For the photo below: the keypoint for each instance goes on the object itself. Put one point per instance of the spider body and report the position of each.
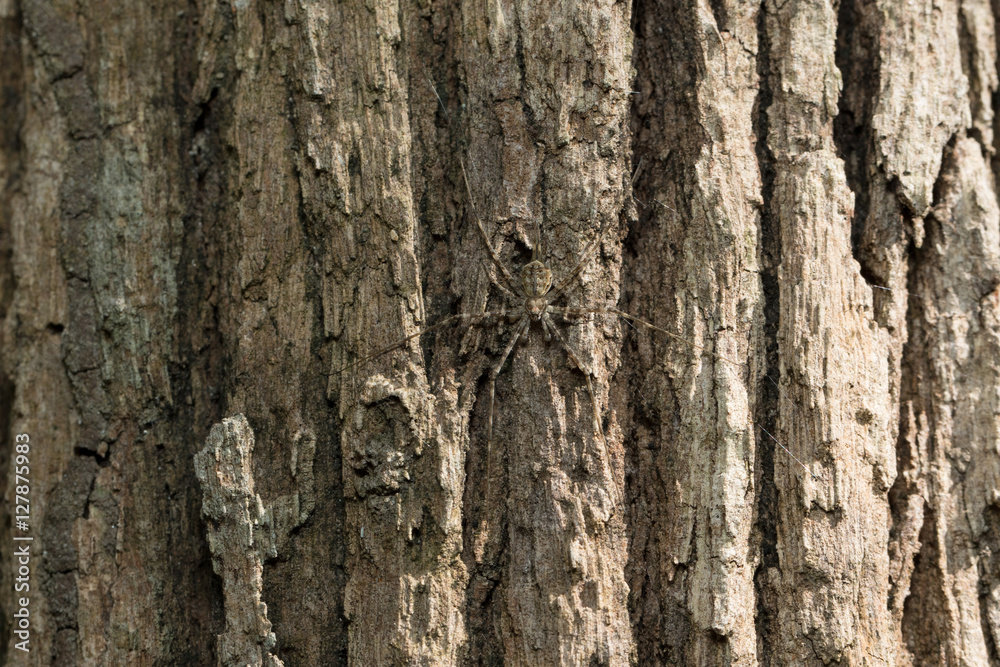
(532, 297)
(535, 308)
(536, 280)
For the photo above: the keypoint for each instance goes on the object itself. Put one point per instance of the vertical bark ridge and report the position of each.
(894, 172)
(702, 282)
(835, 407)
(952, 443)
(547, 102)
(403, 447)
(271, 302)
(882, 239)
(107, 173)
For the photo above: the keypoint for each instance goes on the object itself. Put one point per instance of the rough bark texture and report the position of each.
(211, 211)
(694, 269)
(241, 533)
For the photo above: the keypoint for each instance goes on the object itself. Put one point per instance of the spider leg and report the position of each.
(551, 327)
(570, 311)
(434, 327)
(482, 231)
(587, 252)
(518, 332)
(472, 201)
(632, 318)
(571, 314)
(577, 312)
(598, 426)
(506, 292)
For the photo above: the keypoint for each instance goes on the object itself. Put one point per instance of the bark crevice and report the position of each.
(766, 414)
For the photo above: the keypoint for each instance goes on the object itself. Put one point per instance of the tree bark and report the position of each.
(216, 215)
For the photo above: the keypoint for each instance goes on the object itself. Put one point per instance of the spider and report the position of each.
(534, 294)
(533, 297)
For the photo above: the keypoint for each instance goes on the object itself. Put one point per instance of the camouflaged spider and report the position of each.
(534, 295)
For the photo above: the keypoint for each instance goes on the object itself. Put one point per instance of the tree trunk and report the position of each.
(216, 217)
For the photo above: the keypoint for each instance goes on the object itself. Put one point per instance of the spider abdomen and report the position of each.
(536, 279)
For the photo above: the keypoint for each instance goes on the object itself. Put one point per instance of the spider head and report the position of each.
(536, 279)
